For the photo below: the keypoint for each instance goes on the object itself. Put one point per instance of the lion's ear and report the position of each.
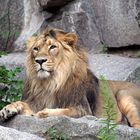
(31, 41)
(71, 39)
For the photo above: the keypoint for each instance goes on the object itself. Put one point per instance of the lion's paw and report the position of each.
(8, 112)
(42, 114)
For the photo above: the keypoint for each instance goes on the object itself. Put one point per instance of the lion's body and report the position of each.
(59, 82)
(67, 96)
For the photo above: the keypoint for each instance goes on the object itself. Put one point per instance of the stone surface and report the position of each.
(35, 13)
(79, 17)
(33, 19)
(48, 4)
(135, 76)
(111, 66)
(12, 134)
(137, 10)
(114, 23)
(85, 128)
(117, 22)
(115, 67)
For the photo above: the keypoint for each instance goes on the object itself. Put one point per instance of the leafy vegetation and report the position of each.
(55, 134)
(3, 53)
(11, 87)
(137, 138)
(104, 48)
(108, 131)
(138, 54)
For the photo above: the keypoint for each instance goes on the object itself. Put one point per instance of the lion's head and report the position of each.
(54, 55)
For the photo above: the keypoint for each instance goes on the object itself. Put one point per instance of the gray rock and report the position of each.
(137, 10)
(85, 128)
(114, 23)
(53, 3)
(117, 22)
(79, 17)
(115, 67)
(33, 19)
(135, 76)
(12, 134)
(35, 13)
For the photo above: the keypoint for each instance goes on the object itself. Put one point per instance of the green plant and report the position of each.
(13, 86)
(55, 134)
(136, 138)
(104, 47)
(108, 131)
(3, 53)
(138, 54)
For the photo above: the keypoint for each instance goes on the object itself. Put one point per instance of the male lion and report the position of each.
(59, 82)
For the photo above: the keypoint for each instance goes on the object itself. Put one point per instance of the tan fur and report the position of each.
(65, 85)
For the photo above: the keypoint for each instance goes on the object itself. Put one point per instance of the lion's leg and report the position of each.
(130, 106)
(18, 107)
(71, 112)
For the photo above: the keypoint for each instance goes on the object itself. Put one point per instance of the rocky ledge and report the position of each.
(85, 128)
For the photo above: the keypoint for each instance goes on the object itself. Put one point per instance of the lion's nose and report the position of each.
(40, 61)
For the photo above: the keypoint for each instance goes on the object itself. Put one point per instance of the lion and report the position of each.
(59, 82)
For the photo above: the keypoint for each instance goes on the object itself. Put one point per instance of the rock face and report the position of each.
(114, 23)
(78, 16)
(85, 128)
(115, 67)
(32, 22)
(12, 134)
(118, 22)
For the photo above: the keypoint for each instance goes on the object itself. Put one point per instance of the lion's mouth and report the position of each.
(43, 70)
(43, 73)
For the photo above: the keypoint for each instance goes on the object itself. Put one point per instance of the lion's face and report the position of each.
(47, 55)
(47, 52)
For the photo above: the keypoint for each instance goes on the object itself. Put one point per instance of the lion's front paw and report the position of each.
(9, 111)
(42, 114)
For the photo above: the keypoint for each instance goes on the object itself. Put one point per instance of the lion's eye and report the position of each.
(52, 46)
(35, 48)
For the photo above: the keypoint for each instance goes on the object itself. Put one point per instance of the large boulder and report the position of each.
(79, 17)
(118, 22)
(85, 128)
(113, 23)
(12, 134)
(35, 13)
(115, 67)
